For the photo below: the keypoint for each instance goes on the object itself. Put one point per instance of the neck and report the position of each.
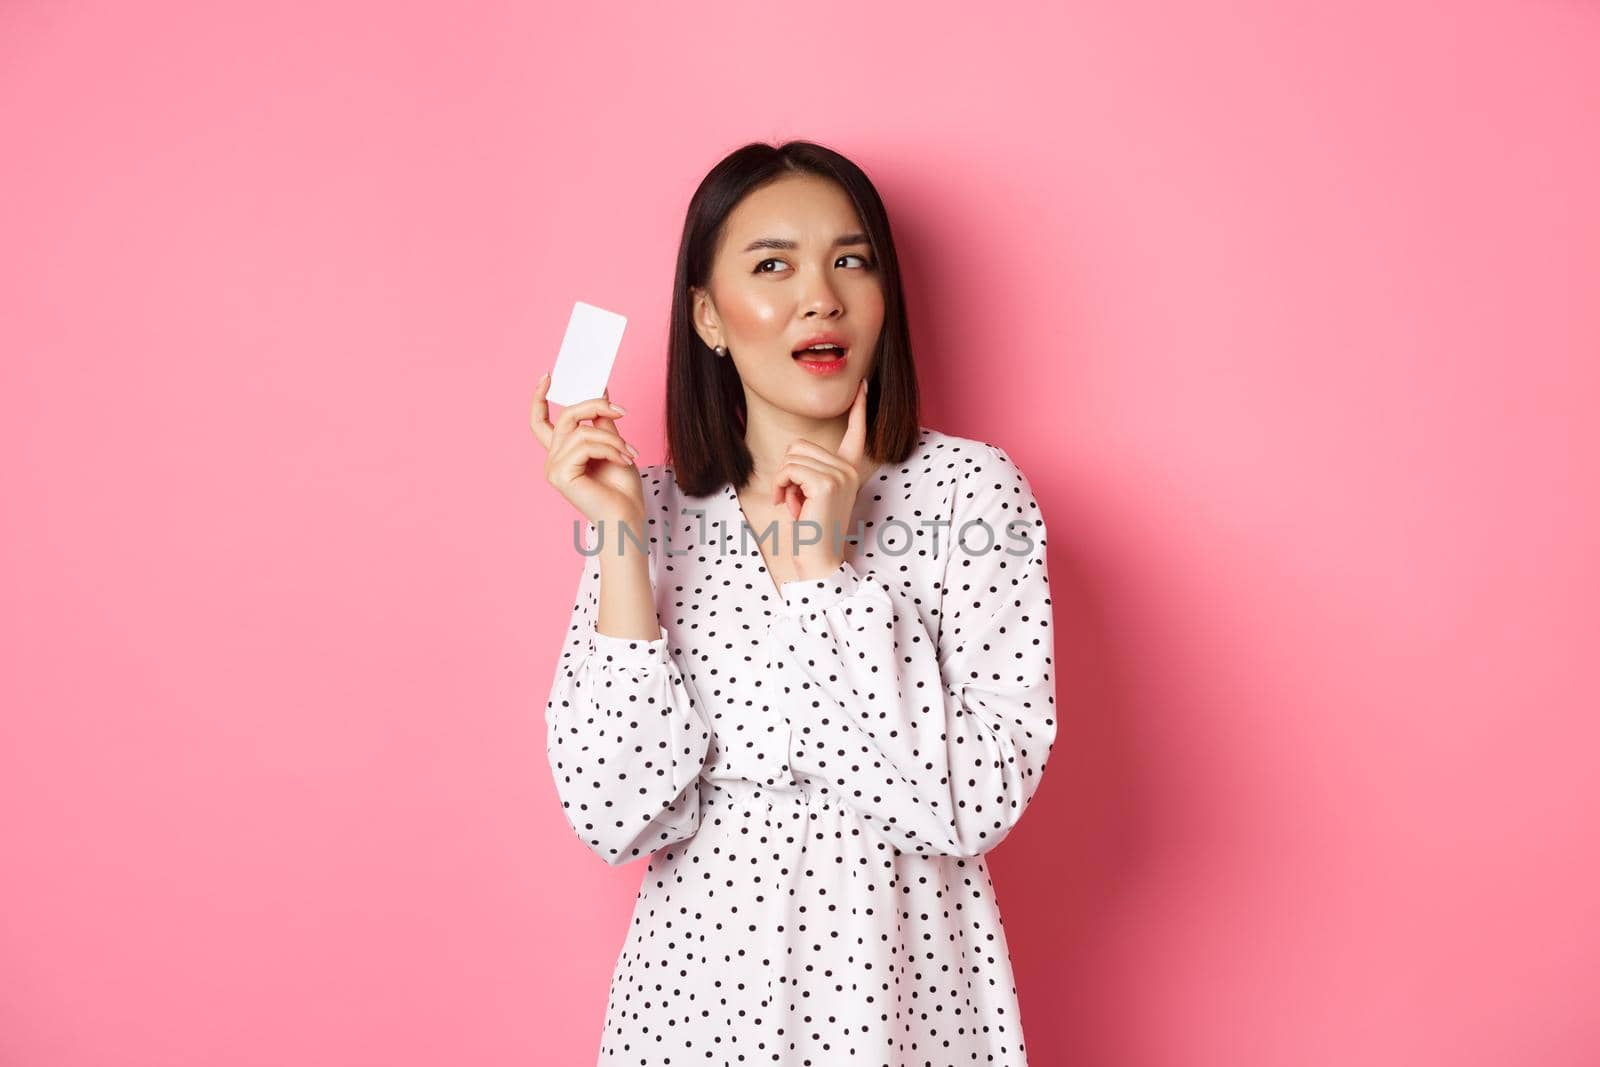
(769, 431)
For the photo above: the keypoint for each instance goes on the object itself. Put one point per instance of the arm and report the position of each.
(937, 742)
(624, 737)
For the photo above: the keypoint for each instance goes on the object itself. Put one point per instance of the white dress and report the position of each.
(813, 774)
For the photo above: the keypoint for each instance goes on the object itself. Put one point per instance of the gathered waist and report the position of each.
(743, 791)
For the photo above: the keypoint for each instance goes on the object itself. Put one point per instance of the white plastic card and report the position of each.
(587, 352)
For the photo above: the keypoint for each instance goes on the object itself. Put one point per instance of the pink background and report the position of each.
(1289, 313)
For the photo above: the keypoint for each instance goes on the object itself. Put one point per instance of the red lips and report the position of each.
(823, 339)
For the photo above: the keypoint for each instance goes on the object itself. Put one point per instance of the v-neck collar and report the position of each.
(889, 480)
(736, 520)
(733, 528)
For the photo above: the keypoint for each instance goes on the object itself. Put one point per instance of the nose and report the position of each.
(820, 299)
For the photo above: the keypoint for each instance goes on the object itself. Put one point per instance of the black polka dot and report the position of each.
(813, 773)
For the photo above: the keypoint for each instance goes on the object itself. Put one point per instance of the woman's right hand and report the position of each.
(592, 466)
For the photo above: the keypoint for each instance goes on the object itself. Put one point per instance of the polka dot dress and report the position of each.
(813, 773)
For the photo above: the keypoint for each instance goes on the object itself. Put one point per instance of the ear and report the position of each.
(703, 314)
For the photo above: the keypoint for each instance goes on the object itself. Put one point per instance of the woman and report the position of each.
(812, 742)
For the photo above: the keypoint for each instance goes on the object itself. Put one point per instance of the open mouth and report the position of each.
(820, 353)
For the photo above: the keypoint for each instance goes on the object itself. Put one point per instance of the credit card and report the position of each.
(587, 352)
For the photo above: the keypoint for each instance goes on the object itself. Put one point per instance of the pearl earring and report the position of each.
(720, 350)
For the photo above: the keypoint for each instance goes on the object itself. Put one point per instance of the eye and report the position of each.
(866, 264)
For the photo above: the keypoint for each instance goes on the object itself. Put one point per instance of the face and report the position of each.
(793, 264)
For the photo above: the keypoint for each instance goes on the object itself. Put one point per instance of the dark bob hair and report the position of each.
(705, 399)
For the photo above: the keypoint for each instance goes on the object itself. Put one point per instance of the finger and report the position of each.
(585, 439)
(540, 421)
(593, 408)
(603, 436)
(821, 471)
(814, 479)
(584, 409)
(571, 460)
(796, 502)
(854, 444)
(800, 446)
(605, 422)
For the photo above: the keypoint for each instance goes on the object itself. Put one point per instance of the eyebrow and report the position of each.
(780, 243)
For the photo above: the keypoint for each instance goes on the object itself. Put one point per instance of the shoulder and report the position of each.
(664, 502)
(941, 460)
(972, 461)
(658, 481)
(988, 484)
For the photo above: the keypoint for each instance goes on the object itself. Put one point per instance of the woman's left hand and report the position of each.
(821, 487)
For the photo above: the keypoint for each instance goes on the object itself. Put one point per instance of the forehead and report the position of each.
(798, 207)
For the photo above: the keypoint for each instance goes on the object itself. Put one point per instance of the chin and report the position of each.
(823, 400)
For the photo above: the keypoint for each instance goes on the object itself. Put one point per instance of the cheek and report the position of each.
(868, 310)
(866, 298)
(751, 313)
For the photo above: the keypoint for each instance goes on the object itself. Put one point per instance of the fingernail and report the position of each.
(635, 451)
(620, 410)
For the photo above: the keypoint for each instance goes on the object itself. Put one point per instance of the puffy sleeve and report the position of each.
(625, 739)
(938, 741)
